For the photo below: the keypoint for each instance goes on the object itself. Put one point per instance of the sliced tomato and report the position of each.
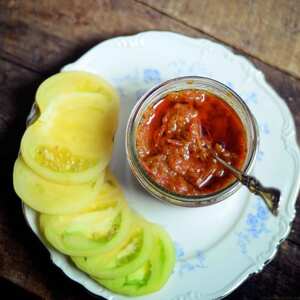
(71, 82)
(154, 273)
(50, 197)
(109, 193)
(72, 140)
(123, 260)
(88, 233)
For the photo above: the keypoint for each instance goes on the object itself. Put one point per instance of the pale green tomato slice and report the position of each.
(123, 260)
(88, 233)
(154, 273)
(50, 197)
(72, 140)
(72, 82)
(109, 193)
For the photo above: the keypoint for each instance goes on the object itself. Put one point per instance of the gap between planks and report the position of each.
(9, 59)
(240, 50)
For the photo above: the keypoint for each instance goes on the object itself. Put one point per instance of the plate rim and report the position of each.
(288, 135)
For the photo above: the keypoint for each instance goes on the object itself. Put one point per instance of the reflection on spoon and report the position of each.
(270, 195)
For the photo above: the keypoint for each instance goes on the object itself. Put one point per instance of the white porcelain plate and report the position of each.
(219, 246)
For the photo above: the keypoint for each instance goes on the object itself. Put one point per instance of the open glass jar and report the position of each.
(152, 97)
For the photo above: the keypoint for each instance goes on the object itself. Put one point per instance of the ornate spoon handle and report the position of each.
(271, 196)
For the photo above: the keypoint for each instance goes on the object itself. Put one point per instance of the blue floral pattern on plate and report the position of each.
(250, 98)
(151, 76)
(255, 227)
(188, 265)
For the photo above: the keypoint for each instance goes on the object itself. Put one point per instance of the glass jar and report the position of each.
(183, 83)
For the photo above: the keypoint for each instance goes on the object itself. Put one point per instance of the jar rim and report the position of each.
(162, 193)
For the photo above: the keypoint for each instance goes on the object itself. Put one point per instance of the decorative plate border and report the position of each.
(256, 220)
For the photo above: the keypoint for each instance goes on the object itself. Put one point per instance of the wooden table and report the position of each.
(37, 37)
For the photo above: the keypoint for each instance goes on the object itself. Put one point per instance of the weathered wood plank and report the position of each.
(294, 235)
(14, 291)
(31, 47)
(15, 99)
(268, 30)
(279, 279)
(41, 36)
(89, 20)
(286, 86)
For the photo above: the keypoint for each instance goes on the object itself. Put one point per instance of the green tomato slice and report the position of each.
(108, 195)
(123, 260)
(154, 273)
(53, 198)
(88, 233)
(72, 140)
(71, 82)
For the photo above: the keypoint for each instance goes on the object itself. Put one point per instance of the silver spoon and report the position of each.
(271, 196)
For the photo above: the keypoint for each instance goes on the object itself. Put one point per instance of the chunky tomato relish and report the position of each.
(176, 137)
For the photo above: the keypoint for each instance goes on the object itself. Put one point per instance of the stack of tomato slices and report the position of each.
(62, 173)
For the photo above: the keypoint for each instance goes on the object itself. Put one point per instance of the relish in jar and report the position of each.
(176, 136)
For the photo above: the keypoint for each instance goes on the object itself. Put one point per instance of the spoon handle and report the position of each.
(271, 196)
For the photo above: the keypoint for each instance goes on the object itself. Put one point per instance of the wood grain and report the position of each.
(36, 39)
(39, 36)
(268, 30)
(13, 101)
(279, 280)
